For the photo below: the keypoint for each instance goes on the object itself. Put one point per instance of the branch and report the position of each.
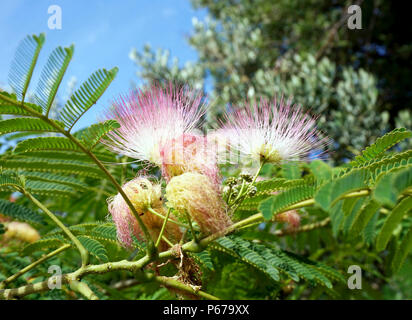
(84, 289)
(83, 252)
(193, 290)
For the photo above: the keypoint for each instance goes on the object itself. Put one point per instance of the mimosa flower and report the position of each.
(150, 118)
(272, 132)
(196, 195)
(143, 195)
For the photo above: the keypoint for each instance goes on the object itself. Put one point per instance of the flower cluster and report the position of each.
(159, 126)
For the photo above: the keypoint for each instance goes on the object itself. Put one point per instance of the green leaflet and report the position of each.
(381, 145)
(46, 143)
(8, 108)
(19, 212)
(24, 62)
(267, 187)
(68, 155)
(25, 124)
(94, 247)
(92, 135)
(9, 179)
(43, 244)
(321, 170)
(58, 166)
(55, 178)
(291, 171)
(204, 259)
(52, 76)
(51, 189)
(363, 216)
(86, 96)
(329, 193)
(369, 233)
(105, 232)
(391, 185)
(246, 255)
(277, 203)
(402, 251)
(392, 221)
(271, 261)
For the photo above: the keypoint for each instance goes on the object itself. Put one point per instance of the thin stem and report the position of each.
(33, 265)
(191, 226)
(163, 228)
(83, 252)
(163, 217)
(170, 243)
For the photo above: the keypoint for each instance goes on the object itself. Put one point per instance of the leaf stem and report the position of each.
(163, 217)
(83, 252)
(163, 228)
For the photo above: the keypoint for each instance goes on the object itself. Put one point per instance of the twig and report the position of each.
(83, 252)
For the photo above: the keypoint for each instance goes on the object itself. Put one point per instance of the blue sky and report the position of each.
(103, 33)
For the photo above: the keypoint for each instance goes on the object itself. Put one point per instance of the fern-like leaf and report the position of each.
(50, 189)
(42, 244)
(94, 247)
(329, 193)
(52, 76)
(363, 217)
(55, 178)
(381, 145)
(86, 96)
(392, 221)
(8, 108)
(402, 251)
(392, 184)
(277, 203)
(19, 212)
(23, 64)
(25, 124)
(92, 135)
(46, 143)
(57, 166)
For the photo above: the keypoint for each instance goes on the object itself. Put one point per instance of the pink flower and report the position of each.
(143, 195)
(150, 118)
(272, 132)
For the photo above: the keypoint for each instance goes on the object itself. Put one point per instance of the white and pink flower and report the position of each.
(274, 132)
